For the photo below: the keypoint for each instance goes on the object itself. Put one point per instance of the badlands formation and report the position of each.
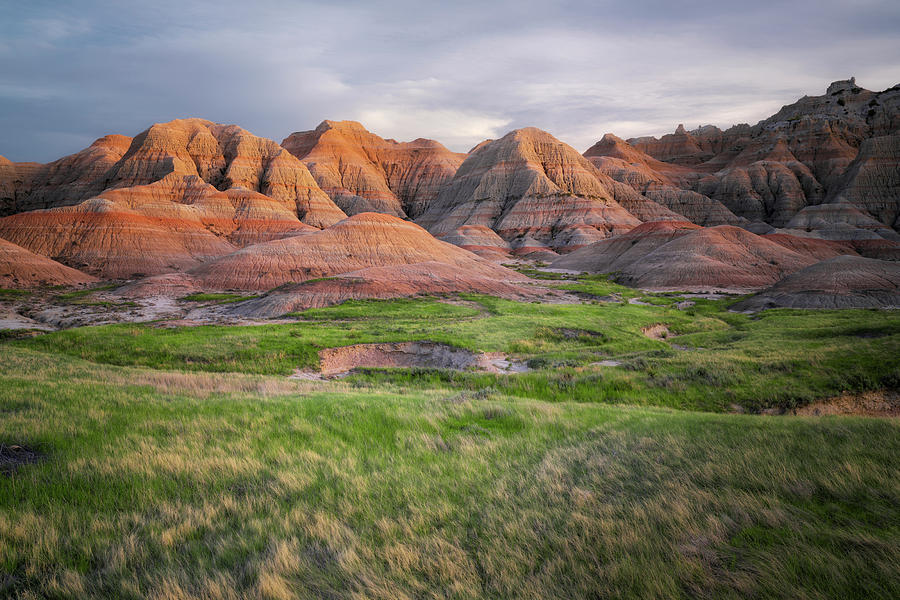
(840, 282)
(354, 245)
(535, 192)
(805, 202)
(20, 268)
(362, 172)
(672, 256)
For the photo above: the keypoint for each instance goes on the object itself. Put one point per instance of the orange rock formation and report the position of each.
(359, 242)
(20, 268)
(531, 189)
(170, 225)
(362, 172)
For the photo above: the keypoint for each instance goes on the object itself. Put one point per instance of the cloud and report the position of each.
(454, 128)
(457, 72)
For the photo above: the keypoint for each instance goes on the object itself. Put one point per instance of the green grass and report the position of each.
(779, 358)
(218, 298)
(539, 274)
(76, 295)
(6, 293)
(163, 484)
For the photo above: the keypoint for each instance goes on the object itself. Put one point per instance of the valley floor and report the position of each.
(143, 461)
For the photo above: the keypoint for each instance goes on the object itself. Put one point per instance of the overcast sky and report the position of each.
(458, 72)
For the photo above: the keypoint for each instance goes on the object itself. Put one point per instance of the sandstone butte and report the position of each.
(535, 192)
(685, 257)
(362, 172)
(841, 282)
(20, 268)
(404, 252)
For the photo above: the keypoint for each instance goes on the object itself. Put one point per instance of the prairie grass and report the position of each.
(6, 293)
(173, 484)
(217, 297)
(716, 361)
(75, 295)
(181, 463)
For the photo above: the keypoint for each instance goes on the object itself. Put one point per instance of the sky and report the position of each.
(458, 72)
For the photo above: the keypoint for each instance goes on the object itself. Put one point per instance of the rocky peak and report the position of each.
(534, 191)
(844, 85)
(609, 145)
(341, 126)
(363, 172)
(706, 130)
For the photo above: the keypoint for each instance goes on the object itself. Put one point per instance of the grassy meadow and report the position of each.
(182, 463)
(711, 359)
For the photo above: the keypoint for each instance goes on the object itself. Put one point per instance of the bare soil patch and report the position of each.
(658, 331)
(880, 403)
(607, 363)
(335, 362)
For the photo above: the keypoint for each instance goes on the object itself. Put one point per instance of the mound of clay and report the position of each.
(611, 146)
(481, 240)
(225, 156)
(362, 172)
(8, 186)
(766, 190)
(532, 190)
(680, 148)
(813, 247)
(427, 278)
(839, 221)
(178, 194)
(879, 249)
(20, 268)
(723, 258)
(841, 282)
(872, 181)
(615, 254)
(169, 285)
(641, 206)
(359, 242)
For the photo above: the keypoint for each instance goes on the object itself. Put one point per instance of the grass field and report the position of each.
(181, 463)
(216, 298)
(168, 484)
(713, 360)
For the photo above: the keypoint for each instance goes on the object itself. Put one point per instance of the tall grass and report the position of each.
(717, 360)
(159, 484)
